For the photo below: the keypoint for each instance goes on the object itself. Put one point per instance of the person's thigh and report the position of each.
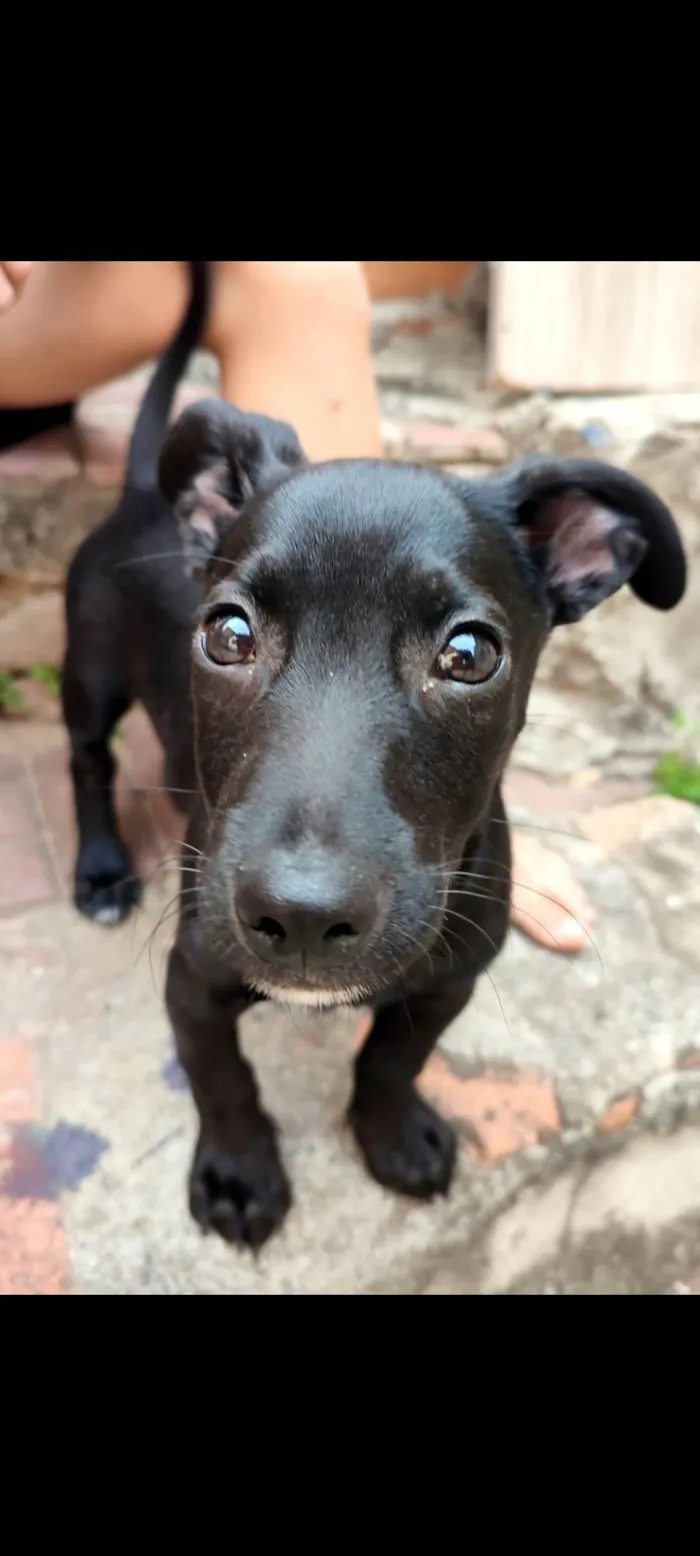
(79, 323)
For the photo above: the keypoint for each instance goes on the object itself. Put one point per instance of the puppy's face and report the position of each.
(361, 669)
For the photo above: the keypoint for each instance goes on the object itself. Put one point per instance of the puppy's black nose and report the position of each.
(302, 917)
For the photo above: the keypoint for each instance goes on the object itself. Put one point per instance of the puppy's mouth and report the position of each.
(318, 997)
(363, 980)
(318, 987)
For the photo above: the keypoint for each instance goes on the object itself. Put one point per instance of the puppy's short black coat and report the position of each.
(337, 697)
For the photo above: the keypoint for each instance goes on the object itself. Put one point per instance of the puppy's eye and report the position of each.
(228, 640)
(471, 655)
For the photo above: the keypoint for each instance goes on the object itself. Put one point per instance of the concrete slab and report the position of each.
(115, 1124)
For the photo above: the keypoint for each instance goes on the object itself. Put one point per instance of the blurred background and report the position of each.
(574, 1082)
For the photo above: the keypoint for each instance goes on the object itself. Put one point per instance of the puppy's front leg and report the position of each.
(238, 1185)
(406, 1145)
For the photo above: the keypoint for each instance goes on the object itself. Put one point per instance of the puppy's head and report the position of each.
(361, 669)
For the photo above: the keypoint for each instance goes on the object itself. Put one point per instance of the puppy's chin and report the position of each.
(319, 999)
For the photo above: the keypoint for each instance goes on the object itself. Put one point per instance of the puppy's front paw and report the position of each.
(106, 888)
(406, 1145)
(244, 1197)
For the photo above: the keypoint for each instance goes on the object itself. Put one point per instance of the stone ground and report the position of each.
(574, 1083)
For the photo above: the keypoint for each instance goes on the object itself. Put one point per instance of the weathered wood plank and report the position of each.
(595, 325)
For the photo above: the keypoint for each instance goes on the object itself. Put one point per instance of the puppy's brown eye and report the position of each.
(228, 640)
(471, 656)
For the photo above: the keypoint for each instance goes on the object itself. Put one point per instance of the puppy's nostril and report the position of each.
(269, 927)
(340, 932)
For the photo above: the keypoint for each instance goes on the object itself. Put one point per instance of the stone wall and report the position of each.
(624, 668)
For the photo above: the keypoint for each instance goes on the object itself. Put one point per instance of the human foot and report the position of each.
(547, 902)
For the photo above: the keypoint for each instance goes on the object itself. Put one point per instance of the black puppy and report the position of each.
(344, 708)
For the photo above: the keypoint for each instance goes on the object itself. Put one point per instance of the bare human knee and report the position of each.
(293, 338)
(337, 284)
(273, 306)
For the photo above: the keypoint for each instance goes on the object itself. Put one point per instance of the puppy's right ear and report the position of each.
(213, 461)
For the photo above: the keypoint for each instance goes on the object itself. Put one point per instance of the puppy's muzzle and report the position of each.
(308, 915)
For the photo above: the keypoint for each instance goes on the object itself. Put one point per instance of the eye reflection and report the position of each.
(228, 640)
(471, 656)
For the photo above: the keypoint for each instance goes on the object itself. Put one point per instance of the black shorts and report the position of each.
(16, 426)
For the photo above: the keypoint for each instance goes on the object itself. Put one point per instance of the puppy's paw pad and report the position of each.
(106, 888)
(410, 1150)
(243, 1198)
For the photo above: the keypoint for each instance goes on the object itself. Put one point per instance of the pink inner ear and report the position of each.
(577, 530)
(210, 505)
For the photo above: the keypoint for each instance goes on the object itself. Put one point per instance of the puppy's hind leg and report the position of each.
(94, 700)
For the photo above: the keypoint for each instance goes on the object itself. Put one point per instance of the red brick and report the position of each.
(34, 1258)
(23, 740)
(140, 750)
(415, 326)
(618, 1114)
(619, 826)
(137, 828)
(50, 761)
(17, 813)
(55, 791)
(443, 444)
(33, 632)
(502, 1113)
(169, 823)
(18, 1096)
(39, 702)
(26, 874)
(11, 767)
(563, 798)
(46, 459)
(33, 1250)
(104, 422)
(143, 760)
(56, 800)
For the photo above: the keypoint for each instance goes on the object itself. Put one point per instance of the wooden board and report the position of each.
(597, 325)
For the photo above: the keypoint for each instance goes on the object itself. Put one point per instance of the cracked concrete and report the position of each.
(584, 1211)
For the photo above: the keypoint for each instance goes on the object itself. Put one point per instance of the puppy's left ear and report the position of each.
(589, 529)
(213, 461)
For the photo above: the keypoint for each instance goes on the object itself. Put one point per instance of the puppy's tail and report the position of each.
(152, 420)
